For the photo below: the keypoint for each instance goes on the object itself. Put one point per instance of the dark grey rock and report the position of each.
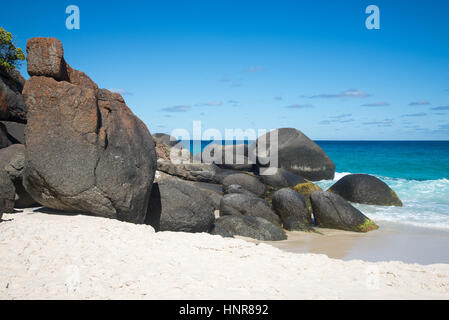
(248, 182)
(364, 188)
(15, 131)
(91, 154)
(12, 105)
(219, 231)
(282, 179)
(162, 138)
(176, 205)
(7, 193)
(201, 172)
(236, 188)
(332, 211)
(242, 204)
(251, 227)
(291, 207)
(12, 160)
(297, 154)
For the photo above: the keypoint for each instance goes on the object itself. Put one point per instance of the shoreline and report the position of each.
(391, 242)
(69, 256)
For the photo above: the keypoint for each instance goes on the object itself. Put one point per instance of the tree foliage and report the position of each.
(10, 56)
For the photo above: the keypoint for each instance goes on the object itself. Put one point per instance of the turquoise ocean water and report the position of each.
(417, 170)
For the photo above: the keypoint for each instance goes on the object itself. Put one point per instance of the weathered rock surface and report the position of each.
(242, 204)
(7, 193)
(176, 205)
(291, 207)
(12, 105)
(251, 227)
(367, 189)
(282, 179)
(12, 160)
(219, 231)
(45, 57)
(248, 182)
(5, 139)
(236, 188)
(86, 151)
(15, 131)
(194, 172)
(162, 138)
(306, 189)
(332, 211)
(297, 154)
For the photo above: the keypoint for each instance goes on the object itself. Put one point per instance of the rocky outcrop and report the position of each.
(86, 151)
(367, 189)
(189, 171)
(242, 204)
(292, 208)
(251, 227)
(332, 211)
(297, 154)
(12, 160)
(12, 105)
(179, 206)
(7, 193)
(248, 182)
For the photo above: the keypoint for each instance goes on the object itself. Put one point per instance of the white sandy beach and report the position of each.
(54, 256)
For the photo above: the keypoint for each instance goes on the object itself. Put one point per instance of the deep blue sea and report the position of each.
(417, 170)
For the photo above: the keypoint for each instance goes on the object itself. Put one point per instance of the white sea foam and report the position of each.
(426, 203)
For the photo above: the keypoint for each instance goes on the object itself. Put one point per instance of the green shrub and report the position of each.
(10, 56)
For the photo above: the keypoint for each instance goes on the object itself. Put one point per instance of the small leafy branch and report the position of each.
(10, 56)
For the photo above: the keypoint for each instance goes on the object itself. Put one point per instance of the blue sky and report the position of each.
(311, 65)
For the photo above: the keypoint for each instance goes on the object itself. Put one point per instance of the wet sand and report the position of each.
(391, 242)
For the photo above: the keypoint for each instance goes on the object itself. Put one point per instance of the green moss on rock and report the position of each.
(306, 189)
(368, 225)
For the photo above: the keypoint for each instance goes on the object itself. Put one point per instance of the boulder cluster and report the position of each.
(68, 145)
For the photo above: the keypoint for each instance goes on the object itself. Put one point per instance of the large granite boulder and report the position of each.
(176, 205)
(7, 193)
(332, 211)
(282, 179)
(248, 182)
(367, 189)
(242, 204)
(189, 171)
(12, 160)
(12, 105)
(86, 151)
(251, 227)
(291, 207)
(296, 153)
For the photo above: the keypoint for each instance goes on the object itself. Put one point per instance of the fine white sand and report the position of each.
(53, 256)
